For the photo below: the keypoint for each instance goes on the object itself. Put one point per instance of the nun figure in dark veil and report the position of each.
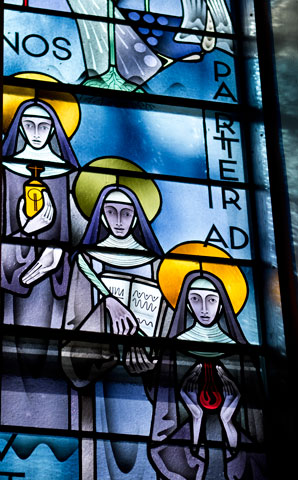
(118, 241)
(34, 267)
(204, 313)
(36, 139)
(118, 225)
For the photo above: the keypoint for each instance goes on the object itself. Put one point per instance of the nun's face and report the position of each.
(37, 130)
(119, 217)
(205, 304)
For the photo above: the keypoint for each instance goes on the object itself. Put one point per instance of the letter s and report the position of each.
(68, 52)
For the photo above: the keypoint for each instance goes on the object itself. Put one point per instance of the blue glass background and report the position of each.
(194, 80)
(49, 27)
(160, 142)
(187, 215)
(167, 7)
(40, 457)
(107, 467)
(123, 407)
(59, 5)
(248, 316)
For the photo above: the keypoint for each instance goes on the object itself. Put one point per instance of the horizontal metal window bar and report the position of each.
(116, 95)
(24, 161)
(99, 18)
(174, 178)
(12, 475)
(144, 175)
(243, 111)
(118, 437)
(72, 249)
(68, 248)
(83, 337)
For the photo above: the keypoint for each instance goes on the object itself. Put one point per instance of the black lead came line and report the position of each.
(98, 18)
(12, 475)
(70, 248)
(227, 184)
(119, 96)
(63, 337)
(7, 447)
(112, 437)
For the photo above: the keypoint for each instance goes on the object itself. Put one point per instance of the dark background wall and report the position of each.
(285, 30)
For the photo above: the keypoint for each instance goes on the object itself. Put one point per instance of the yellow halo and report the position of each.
(64, 104)
(173, 271)
(90, 184)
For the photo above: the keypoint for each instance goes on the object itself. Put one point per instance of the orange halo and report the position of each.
(173, 271)
(64, 104)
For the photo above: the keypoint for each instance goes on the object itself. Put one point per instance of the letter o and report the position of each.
(45, 44)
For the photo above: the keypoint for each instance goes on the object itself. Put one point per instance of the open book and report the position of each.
(142, 296)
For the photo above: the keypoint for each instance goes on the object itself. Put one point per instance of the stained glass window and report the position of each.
(139, 289)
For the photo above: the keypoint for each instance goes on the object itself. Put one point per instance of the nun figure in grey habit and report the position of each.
(119, 242)
(34, 276)
(196, 398)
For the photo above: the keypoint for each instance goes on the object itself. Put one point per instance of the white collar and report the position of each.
(200, 333)
(44, 154)
(120, 259)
